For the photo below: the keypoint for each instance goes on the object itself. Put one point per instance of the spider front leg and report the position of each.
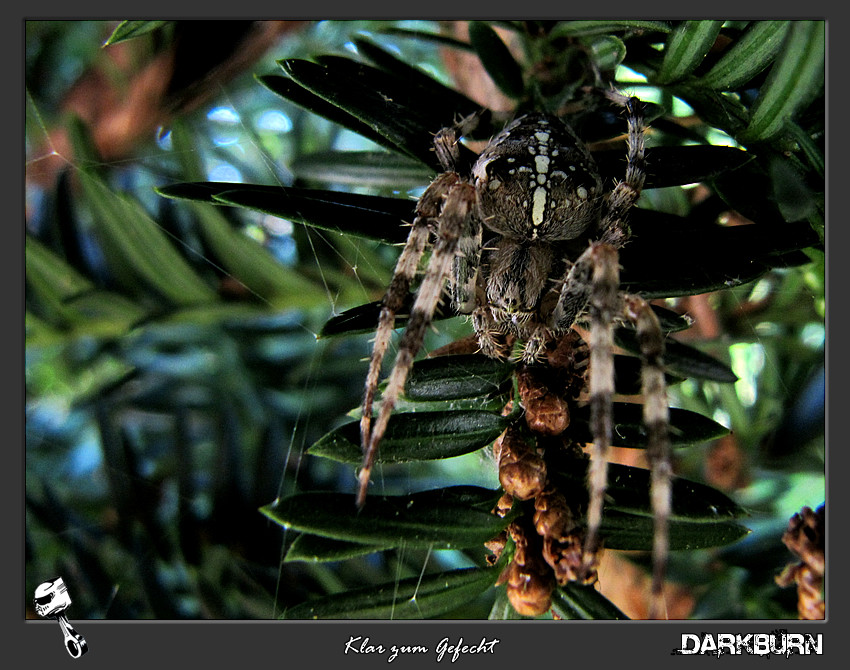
(447, 149)
(455, 213)
(427, 211)
(626, 192)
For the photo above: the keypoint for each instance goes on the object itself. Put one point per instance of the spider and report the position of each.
(527, 239)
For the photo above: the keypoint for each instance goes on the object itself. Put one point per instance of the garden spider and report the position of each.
(536, 189)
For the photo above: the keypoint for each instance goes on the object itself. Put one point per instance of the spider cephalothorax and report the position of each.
(537, 187)
(527, 238)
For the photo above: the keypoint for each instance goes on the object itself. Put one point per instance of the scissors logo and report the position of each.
(51, 601)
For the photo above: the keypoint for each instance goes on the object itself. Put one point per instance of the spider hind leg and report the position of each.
(607, 306)
(656, 419)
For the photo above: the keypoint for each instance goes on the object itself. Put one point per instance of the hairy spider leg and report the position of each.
(427, 211)
(604, 307)
(456, 211)
(593, 281)
(603, 288)
(626, 193)
(651, 340)
(607, 306)
(656, 418)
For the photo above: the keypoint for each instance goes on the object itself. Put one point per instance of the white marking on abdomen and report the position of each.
(538, 206)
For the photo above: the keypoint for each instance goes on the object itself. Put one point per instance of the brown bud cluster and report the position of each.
(805, 537)
(496, 546)
(522, 471)
(528, 578)
(546, 408)
(568, 354)
(563, 539)
(504, 505)
(548, 539)
(465, 345)
(552, 516)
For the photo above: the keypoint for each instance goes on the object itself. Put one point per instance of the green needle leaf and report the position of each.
(413, 598)
(686, 428)
(795, 79)
(318, 549)
(679, 165)
(682, 359)
(416, 436)
(375, 98)
(137, 248)
(429, 86)
(368, 216)
(686, 48)
(496, 59)
(577, 601)
(603, 27)
(747, 57)
(43, 264)
(460, 376)
(128, 30)
(628, 492)
(628, 532)
(362, 169)
(68, 300)
(294, 92)
(451, 518)
(701, 516)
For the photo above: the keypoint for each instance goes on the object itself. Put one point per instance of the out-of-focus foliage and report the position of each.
(173, 377)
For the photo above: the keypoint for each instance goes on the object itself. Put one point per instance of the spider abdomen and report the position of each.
(537, 181)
